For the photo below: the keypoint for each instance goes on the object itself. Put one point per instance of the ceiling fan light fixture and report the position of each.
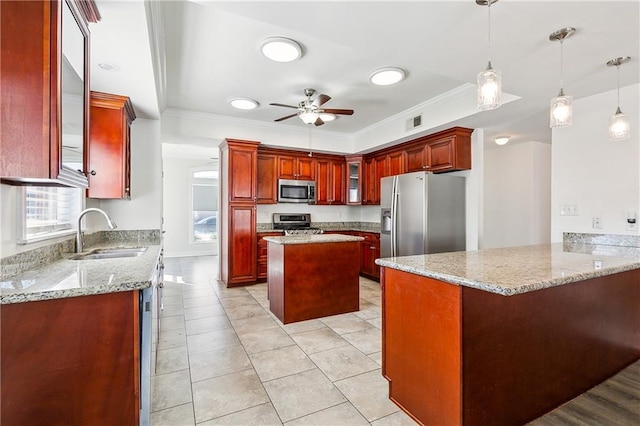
(325, 116)
(308, 117)
(281, 49)
(502, 140)
(387, 76)
(244, 103)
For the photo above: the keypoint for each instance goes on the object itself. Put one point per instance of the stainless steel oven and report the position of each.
(296, 191)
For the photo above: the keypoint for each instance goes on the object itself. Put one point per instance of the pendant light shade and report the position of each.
(490, 80)
(561, 111)
(619, 126)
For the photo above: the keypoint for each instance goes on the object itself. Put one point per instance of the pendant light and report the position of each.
(490, 80)
(561, 111)
(619, 127)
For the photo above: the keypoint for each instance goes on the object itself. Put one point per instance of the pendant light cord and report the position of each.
(561, 65)
(489, 29)
(618, 84)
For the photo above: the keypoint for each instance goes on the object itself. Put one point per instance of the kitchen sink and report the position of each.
(113, 253)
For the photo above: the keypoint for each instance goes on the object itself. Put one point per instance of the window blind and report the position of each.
(49, 210)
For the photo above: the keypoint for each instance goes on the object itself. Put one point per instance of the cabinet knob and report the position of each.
(92, 172)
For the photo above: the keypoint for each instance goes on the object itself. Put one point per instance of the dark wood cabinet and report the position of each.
(267, 183)
(296, 167)
(374, 169)
(71, 361)
(238, 239)
(396, 163)
(445, 151)
(110, 146)
(34, 79)
(353, 180)
(369, 252)
(330, 181)
(263, 257)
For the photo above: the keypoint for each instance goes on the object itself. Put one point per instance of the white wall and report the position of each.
(517, 195)
(177, 208)
(144, 210)
(601, 177)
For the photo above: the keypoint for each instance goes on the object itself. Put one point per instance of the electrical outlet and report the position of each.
(597, 222)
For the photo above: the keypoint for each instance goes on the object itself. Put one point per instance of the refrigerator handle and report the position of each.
(394, 216)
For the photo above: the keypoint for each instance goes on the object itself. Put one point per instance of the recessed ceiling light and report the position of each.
(108, 67)
(243, 103)
(281, 49)
(502, 140)
(325, 116)
(387, 76)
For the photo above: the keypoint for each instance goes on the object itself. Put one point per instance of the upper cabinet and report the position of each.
(45, 97)
(446, 151)
(109, 157)
(354, 180)
(296, 167)
(267, 185)
(330, 180)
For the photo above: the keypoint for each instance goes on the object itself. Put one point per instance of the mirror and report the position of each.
(73, 92)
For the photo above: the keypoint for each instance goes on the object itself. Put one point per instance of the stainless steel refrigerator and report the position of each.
(422, 213)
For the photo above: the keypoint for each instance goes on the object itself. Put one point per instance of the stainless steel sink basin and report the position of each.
(110, 253)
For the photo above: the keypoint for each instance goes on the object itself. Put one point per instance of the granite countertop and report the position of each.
(64, 277)
(516, 270)
(313, 239)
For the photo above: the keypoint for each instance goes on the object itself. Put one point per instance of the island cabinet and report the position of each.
(330, 176)
(110, 146)
(71, 361)
(44, 75)
(267, 183)
(300, 167)
(238, 238)
(457, 355)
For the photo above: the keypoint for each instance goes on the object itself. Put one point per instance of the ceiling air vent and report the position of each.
(414, 122)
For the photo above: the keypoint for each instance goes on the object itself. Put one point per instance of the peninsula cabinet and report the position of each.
(110, 146)
(296, 167)
(71, 361)
(330, 181)
(267, 183)
(369, 252)
(44, 75)
(238, 239)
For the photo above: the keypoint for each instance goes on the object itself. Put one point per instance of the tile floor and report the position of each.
(223, 359)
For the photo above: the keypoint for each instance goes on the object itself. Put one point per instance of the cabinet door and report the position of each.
(441, 154)
(41, 97)
(323, 184)
(416, 159)
(262, 255)
(370, 251)
(109, 146)
(306, 168)
(337, 182)
(396, 163)
(374, 168)
(353, 181)
(242, 243)
(243, 169)
(287, 167)
(267, 182)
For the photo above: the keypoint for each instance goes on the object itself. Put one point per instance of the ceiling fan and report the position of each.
(310, 112)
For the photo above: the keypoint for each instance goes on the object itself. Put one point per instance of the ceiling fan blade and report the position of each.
(283, 105)
(338, 111)
(321, 99)
(318, 122)
(285, 117)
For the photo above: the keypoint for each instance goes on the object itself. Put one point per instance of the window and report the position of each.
(204, 205)
(48, 212)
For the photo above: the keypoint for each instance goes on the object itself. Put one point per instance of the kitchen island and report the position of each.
(503, 336)
(313, 276)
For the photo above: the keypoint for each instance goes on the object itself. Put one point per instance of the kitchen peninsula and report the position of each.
(313, 276)
(502, 336)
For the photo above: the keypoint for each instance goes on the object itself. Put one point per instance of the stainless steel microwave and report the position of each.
(296, 191)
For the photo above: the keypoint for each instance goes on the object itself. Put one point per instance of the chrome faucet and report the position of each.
(110, 222)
